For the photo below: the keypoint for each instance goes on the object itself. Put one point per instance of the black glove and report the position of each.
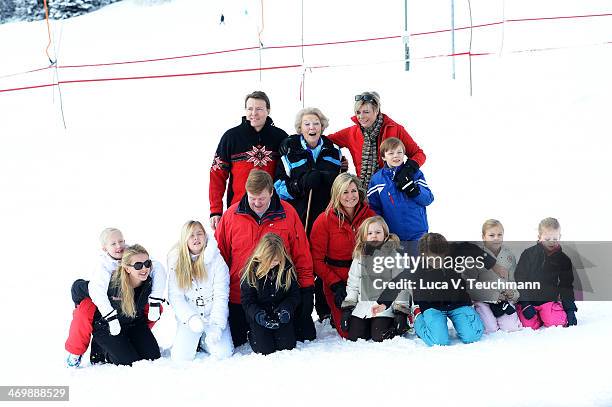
(266, 321)
(307, 297)
(400, 322)
(571, 318)
(339, 290)
(502, 308)
(311, 180)
(345, 321)
(404, 179)
(294, 188)
(283, 316)
(529, 311)
(569, 305)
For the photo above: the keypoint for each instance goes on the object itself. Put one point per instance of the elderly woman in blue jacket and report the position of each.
(399, 198)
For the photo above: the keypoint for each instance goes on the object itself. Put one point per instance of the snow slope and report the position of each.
(533, 141)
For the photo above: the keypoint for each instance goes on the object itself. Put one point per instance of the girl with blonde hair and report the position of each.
(332, 239)
(496, 307)
(198, 290)
(91, 296)
(269, 295)
(373, 240)
(128, 293)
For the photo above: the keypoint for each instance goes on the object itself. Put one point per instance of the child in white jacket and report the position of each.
(198, 290)
(373, 238)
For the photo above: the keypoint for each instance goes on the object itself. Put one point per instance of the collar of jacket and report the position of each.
(247, 124)
(274, 212)
(390, 172)
(314, 152)
(547, 252)
(359, 211)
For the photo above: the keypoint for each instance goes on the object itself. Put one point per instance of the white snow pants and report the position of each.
(186, 343)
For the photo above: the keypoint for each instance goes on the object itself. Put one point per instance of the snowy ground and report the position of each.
(533, 141)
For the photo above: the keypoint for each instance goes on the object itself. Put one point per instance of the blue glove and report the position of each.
(283, 316)
(264, 320)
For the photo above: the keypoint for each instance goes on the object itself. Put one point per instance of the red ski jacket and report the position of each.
(352, 138)
(239, 232)
(332, 244)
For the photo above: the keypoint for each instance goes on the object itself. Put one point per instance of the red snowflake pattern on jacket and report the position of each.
(259, 156)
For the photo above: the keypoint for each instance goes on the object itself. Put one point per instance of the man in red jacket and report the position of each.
(261, 211)
(252, 144)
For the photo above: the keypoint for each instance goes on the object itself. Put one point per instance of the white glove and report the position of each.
(196, 324)
(114, 326)
(154, 310)
(213, 334)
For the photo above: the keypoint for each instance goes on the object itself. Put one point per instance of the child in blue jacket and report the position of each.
(398, 192)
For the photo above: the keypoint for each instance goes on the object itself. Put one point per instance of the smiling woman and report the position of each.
(364, 138)
(128, 293)
(332, 239)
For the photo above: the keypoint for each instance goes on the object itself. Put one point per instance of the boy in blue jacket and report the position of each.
(398, 192)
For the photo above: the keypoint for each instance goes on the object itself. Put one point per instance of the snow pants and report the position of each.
(302, 320)
(377, 328)
(186, 343)
(548, 314)
(336, 313)
(81, 326)
(320, 303)
(507, 323)
(135, 342)
(266, 341)
(431, 325)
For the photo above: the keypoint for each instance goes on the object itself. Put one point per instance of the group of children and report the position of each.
(124, 297)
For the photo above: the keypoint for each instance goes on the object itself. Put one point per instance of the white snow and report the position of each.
(533, 141)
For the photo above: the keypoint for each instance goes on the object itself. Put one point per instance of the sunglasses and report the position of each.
(140, 264)
(365, 97)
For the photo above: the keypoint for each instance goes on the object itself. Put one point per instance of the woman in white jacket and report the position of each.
(373, 239)
(198, 290)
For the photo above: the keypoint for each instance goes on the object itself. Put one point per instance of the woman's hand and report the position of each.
(378, 308)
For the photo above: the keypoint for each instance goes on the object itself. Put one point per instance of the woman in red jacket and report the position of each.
(370, 129)
(332, 239)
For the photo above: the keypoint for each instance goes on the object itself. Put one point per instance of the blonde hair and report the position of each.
(549, 223)
(391, 143)
(314, 111)
(362, 235)
(106, 233)
(491, 223)
(269, 248)
(342, 183)
(187, 269)
(374, 101)
(258, 181)
(121, 279)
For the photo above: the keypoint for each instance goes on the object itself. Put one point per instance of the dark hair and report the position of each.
(431, 244)
(258, 94)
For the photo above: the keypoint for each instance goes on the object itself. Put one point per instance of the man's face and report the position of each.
(260, 202)
(256, 112)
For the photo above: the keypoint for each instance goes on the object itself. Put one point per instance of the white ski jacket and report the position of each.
(208, 298)
(100, 279)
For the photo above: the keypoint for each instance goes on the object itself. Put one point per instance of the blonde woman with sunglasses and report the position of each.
(128, 293)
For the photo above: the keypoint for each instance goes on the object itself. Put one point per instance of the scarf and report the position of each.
(369, 153)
